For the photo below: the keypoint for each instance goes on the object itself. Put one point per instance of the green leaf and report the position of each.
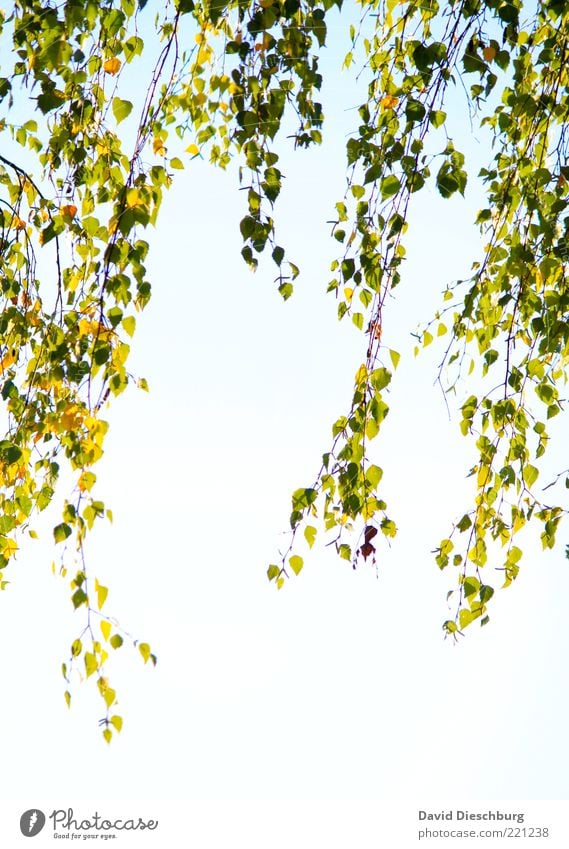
(9, 452)
(464, 523)
(116, 641)
(129, 324)
(437, 117)
(121, 109)
(380, 378)
(374, 475)
(303, 498)
(273, 572)
(278, 255)
(78, 598)
(471, 586)
(373, 173)
(49, 100)
(358, 320)
(388, 528)
(389, 186)
(414, 110)
(530, 475)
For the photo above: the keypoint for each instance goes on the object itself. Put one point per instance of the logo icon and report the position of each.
(32, 822)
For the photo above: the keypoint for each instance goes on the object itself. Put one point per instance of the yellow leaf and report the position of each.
(193, 149)
(86, 481)
(109, 696)
(68, 421)
(8, 359)
(10, 548)
(86, 327)
(102, 593)
(204, 53)
(158, 147)
(112, 66)
(102, 148)
(117, 722)
(132, 197)
(361, 375)
(483, 476)
(105, 629)
(389, 102)
(348, 293)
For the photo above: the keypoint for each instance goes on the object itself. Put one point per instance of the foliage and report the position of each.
(84, 177)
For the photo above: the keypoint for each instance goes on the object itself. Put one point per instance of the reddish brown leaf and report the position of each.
(369, 532)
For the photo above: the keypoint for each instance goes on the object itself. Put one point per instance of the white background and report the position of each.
(341, 686)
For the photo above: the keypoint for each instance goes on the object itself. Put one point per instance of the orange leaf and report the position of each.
(489, 53)
(69, 210)
(112, 66)
(389, 102)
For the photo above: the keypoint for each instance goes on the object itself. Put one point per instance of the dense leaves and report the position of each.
(86, 159)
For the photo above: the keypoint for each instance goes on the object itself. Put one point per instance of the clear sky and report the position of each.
(341, 686)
